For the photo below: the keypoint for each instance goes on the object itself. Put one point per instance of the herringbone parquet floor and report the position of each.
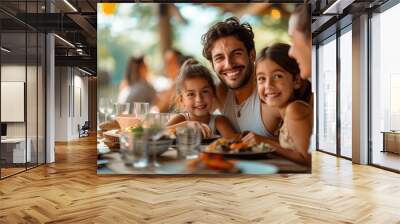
(69, 191)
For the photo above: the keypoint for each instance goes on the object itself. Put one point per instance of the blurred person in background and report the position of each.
(135, 87)
(173, 59)
(300, 35)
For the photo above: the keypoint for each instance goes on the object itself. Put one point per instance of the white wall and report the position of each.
(13, 73)
(34, 124)
(70, 84)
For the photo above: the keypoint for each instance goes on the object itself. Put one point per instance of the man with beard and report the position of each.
(229, 46)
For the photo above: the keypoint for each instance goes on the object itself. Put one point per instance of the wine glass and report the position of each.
(103, 106)
(109, 108)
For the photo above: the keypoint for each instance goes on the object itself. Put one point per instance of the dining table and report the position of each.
(110, 161)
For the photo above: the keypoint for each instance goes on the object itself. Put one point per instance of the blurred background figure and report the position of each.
(135, 87)
(173, 60)
(300, 35)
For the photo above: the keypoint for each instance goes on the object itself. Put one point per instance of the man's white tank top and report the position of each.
(245, 117)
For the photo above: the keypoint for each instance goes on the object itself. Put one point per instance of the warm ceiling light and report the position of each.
(109, 8)
(70, 5)
(5, 49)
(64, 40)
(276, 14)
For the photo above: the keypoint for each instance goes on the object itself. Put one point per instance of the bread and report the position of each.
(109, 125)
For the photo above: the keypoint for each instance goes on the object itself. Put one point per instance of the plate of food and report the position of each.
(238, 149)
(209, 140)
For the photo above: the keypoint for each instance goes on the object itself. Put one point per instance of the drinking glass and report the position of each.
(109, 108)
(121, 108)
(165, 117)
(140, 109)
(134, 149)
(102, 105)
(105, 107)
(159, 119)
(154, 128)
(188, 140)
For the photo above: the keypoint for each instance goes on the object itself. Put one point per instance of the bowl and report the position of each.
(159, 146)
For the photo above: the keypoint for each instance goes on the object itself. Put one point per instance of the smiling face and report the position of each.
(197, 97)
(275, 85)
(301, 48)
(231, 61)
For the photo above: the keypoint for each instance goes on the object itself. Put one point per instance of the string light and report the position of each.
(276, 14)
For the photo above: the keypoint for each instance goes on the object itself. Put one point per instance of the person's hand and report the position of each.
(205, 130)
(252, 139)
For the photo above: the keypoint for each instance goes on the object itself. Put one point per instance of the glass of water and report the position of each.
(134, 149)
(122, 108)
(140, 109)
(188, 140)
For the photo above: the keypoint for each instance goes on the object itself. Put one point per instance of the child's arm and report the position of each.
(299, 123)
(180, 121)
(175, 122)
(294, 155)
(224, 127)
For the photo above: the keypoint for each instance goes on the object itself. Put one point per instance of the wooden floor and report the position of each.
(69, 191)
(10, 171)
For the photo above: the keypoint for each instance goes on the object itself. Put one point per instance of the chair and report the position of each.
(84, 130)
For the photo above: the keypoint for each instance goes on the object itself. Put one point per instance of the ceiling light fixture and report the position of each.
(64, 40)
(84, 71)
(337, 7)
(5, 49)
(70, 5)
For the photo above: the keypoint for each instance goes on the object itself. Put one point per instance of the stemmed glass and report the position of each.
(103, 106)
(109, 108)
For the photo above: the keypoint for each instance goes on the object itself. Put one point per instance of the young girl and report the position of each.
(195, 97)
(279, 85)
